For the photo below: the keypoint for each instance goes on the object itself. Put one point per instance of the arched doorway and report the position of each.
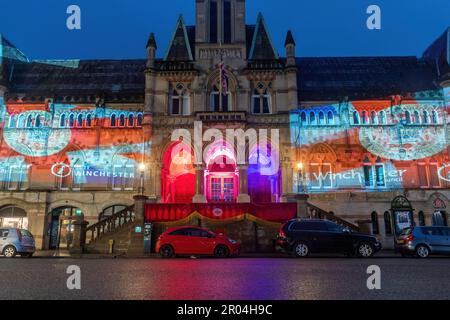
(221, 174)
(178, 174)
(13, 217)
(61, 226)
(264, 175)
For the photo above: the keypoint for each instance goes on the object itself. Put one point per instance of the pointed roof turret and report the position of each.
(179, 48)
(152, 41)
(262, 46)
(289, 39)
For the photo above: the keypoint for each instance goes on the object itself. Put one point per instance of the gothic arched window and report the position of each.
(321, 118)
(382, 117)
(122, 120)
(131, 120)
(179, 101)
(434, 117)
(355, 117)
(426, 117)
(312, 118)
(220, 101)
(261, 100)
(80, 120)
(416, 117)
(113, 120)
(62, 120)
(71, 120)
(373, 118)
(303, 119)
(375, 225)
(330, 117)
(408, 117)
(89, 120)
(387, 223)
(140, 119)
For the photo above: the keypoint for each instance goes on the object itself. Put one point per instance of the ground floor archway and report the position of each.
(61, 226)
(13, 217)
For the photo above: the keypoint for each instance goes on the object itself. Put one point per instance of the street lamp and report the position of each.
(141, 169)
(300, 177)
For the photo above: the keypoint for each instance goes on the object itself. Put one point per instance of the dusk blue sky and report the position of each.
(118, 29)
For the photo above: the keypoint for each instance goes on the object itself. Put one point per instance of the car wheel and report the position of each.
(422, 251)
(9, 252)
(365, 250)
(301, 250)
(166, 251)
(221, 252)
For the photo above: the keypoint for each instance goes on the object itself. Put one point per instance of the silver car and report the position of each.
(15, 241)
(424, 241)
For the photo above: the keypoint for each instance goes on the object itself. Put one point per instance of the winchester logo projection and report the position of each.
(70, 146)
(373, 145)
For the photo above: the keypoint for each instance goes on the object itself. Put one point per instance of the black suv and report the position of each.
(302, 237)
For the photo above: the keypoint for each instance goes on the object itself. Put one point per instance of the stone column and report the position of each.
(302, 206)
(139, 207)
(199, 185)
(287, 188)
(243, 196)
(79, 236)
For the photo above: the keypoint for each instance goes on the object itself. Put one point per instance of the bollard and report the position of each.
(111, 246)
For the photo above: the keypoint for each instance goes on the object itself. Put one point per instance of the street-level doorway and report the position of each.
(61, 227)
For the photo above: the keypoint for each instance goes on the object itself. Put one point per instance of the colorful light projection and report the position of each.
(374, 145)
(70, 146)
(221, 175)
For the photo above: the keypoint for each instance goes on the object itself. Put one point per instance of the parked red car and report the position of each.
(195, 241)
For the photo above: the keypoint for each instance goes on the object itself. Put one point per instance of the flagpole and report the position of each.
(220, 79)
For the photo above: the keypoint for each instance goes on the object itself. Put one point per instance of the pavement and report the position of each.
(315, 278)
(59, 254)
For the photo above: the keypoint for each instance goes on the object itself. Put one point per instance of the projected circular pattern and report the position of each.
(403, 143)
(37, 142)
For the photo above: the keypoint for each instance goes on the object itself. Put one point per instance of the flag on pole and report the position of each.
(223, 79)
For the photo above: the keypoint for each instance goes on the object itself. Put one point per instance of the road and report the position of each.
(233, 279)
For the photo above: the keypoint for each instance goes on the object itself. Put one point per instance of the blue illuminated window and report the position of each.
(373, 117)
(30, 121)
(80, 120)
(408, 117)
(434, 117)
(140, 118)
(12, 121)
(382, 118)
(21, 121)
(379, 175)
(330, 117)
(416, 117)
(321, 118)
(89, 120)
(364, 117)
(71, 120)
(303, 119)
(122, 120)
(312, 118)
(426, 117)
(130, 120)
(113, 120)
(62, 121)
(38, 121)
(355, 117)
(368, 175)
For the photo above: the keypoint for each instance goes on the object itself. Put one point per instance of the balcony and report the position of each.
(238, 116)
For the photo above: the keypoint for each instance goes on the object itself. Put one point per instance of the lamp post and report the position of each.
(300, 177)
(141, 168)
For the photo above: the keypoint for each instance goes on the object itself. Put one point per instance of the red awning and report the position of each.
(272, 212)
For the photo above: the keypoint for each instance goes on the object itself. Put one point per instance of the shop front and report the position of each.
(61, 227)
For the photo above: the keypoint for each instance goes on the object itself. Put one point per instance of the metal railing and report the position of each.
(110, 224)
(319, 213)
